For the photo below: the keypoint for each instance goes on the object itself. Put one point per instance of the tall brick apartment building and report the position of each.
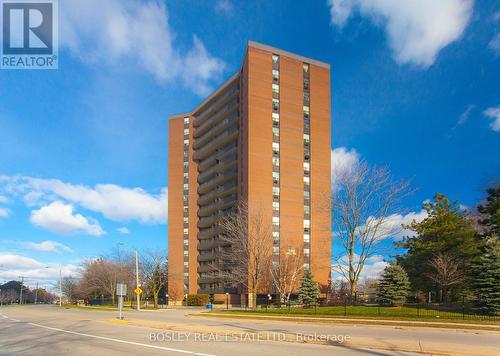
(263, 137)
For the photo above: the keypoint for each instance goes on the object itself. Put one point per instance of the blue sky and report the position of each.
(83, 149)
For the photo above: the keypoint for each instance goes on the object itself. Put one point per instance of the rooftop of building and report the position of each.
(257, 45)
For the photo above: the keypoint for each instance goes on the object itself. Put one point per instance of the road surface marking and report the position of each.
(17, 321)
(121, 341)
(5, 316)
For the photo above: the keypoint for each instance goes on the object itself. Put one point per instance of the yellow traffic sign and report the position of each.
(138, 291)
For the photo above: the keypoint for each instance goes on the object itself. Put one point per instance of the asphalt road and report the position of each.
(53, 331)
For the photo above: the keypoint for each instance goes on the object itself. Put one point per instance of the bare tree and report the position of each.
(365, 202)
(154, 267)
(246, 259)
(101, 276)
(70, 288)
(287, 274)
(446, 273)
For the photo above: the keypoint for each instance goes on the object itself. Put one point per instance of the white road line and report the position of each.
(5, 316)
(121, 341)
(17, 321)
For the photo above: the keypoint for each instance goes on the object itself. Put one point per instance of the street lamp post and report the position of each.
(227, 301)
(166, 299)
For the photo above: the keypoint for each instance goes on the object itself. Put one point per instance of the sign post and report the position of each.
(121, 291)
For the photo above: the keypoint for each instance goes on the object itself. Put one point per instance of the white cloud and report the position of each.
(373, 267)
(114, 31)
(343, 161)
(3, 199)
(9, 261)
(47, 246)
(58, 217)
(392, 227)
(123, 230)
(416, 29)
(225, 7)
(4, 212)
(494, 113)
(113, 201)
(495, 44)
(13, 266)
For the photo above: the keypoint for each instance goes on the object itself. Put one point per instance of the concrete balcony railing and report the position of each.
(210, 161)
(208, 233)
(218, 205)
(215, 108)
(220, 167)
(219, 142)
(206, 257)
(207, 221)
(229, 119)
(205, 268)
(227, 189)
(220, 180)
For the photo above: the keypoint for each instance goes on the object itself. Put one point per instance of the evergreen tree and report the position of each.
(490, 214)
(446, 230)
(394, 286)
(309, 291)
(485, 280)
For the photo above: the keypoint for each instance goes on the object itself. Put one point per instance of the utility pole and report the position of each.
(21, 291)
(60, 287)
(137, 280)
(36, 294)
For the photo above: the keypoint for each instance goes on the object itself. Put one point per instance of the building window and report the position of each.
(276, 75)
(276, 191)
(276, 178)
(186, 120)
(276, 58)
(276, 161)
(276, 205)
(307, 166)
(276, 88)
(276, 104)
(307, 238)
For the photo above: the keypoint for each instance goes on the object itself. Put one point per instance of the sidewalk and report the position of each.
(391, 322)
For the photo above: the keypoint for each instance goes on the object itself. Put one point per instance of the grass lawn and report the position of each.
(374, 312)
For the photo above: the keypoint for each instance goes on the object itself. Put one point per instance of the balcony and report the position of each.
(207, 221)
(219, 142)
(220, 180)
(210, 161)
(208, 233)
(201, 120)
(230, 119)
(207, 257)
(222, 166)
(217, 205)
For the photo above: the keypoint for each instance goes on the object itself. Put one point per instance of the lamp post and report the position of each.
(60, 286)
(166, 299)
(186, 298)
(21, 291)
(227, 301)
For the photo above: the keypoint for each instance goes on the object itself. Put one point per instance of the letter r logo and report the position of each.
(27, 28)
